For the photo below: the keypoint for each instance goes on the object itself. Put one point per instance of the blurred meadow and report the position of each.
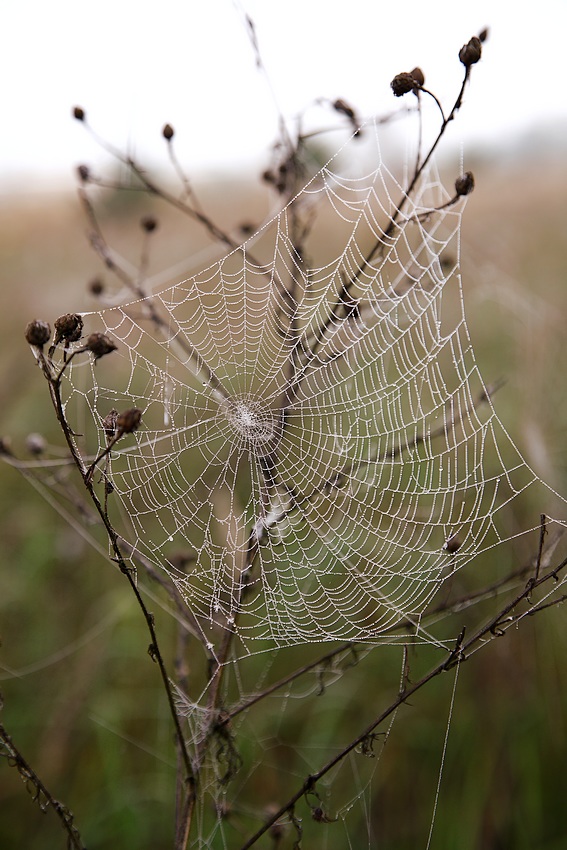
(81, 697)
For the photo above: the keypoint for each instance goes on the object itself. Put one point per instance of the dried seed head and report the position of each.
(149, 223)
(483, 35)
(470, 53)
(35, 444)
(465, 183)
(342, 106)
(83, 173)
(402, 84)
(109, 422)
(99, 345)
(5, 446)
(37, 333)
(418, 76)
(452, 545)
(96, 287)
(128, 421)
(68, 327)
(79, 113)
(168, 132)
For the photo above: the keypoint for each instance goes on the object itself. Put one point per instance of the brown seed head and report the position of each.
(128, 421)
(99, 345)
(483, 35)
(5, 449)
(37, 333)
(68, 327)
(149, 223)
(96, 287)
(109, 422)
(79, 113)
(402, 84)
(418, 76)
(465, 183)
(452, 545)
(83, 173)
(35, 444)
(168, 132)
(470, 53)
(342, 106)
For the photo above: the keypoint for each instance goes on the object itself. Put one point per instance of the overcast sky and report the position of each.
(134, 65)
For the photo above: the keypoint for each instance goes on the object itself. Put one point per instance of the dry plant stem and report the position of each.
(382, 242)
(495, 627)
(214, 697)
(54, 383)
(40, 793)
(200, 368)
(159, 192)
(447, 607)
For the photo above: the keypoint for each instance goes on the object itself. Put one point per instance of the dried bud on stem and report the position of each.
(99, 345)
(35, 444)
(128, 421)
(403, 83)
(418, 76)
(470, 53)
(79, 113)
(452, 545)
(343, 107)
(68, 327)
(83, 173)
(37, 333)
(465, 183)
(109, 423)
(168, 132)
(149, 223)
(5, 448)
(96, 287)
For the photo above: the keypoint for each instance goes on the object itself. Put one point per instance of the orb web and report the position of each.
(319, 452)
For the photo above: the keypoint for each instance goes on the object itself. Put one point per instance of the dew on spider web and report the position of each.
(347, 444)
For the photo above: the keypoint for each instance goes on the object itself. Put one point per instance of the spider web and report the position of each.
(318, 451)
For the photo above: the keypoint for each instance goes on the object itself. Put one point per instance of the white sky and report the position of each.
(134, 65)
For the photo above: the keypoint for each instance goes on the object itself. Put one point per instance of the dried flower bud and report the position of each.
(418, 75)
(342, 106)
(109, 422)
(37, 333)
(483, 35)
(465, 183)
(96, 287)
(83, 173)
(5, 446)
(128, 421)
(68, 327)
(402, 84)
(168, 132)
(452, 545)
(79, 113)
(35, 444)
(149, 223)
(470, 53)
(99, 345)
